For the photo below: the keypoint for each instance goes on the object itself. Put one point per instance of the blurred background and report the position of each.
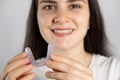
(13, 16)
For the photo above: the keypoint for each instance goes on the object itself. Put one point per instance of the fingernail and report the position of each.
(49, 62)
(24, 54)
(33, 74)
(30, 66)
(54, 56)
(48, 74)
(26, 60)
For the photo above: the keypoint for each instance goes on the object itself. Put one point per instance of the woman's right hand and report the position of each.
(18, 68)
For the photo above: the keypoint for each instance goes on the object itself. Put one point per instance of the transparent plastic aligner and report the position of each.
(40, 62)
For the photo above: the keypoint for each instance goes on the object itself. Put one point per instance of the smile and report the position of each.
(62, 32)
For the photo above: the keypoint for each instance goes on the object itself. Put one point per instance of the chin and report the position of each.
(62, 47)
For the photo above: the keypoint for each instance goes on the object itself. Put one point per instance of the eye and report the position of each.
(49, 7)
(75, 6)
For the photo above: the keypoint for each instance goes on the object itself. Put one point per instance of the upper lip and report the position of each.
(61, 28)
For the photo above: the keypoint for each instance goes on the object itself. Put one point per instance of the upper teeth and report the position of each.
(63, 31)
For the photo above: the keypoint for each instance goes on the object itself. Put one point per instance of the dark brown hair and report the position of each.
(95, 40)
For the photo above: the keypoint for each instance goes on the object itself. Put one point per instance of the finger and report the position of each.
(62, 76)
(57, 66)
(6, 70)
(72, 62)
(26, 73)
(28, 77)
(14, 74)
(55, 75)
(16, 64)
(62, 67)
(18, 56)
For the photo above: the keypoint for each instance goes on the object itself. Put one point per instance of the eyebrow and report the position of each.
(47, 1)
(53, 1)
(76, 0)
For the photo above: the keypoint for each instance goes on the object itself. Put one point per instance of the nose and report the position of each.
(61, 17)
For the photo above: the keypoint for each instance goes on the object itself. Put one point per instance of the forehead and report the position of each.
(62, 0)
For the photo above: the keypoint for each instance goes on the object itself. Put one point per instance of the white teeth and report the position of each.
(62, 31)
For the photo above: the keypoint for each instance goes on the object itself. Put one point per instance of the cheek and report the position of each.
(45, 22)
(82, 20)
(42, 20)
(43, 26)
(45, 33)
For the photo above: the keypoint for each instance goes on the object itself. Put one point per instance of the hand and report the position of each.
(18, 68)
(67, 69)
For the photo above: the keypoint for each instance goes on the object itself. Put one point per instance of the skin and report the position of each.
(70, 60)
(67, 69)
(18, 68)
(63, 15)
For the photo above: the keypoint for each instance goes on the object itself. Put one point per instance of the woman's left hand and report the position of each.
(67, 69)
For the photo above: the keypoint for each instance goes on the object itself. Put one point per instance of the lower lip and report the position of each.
(62, 34)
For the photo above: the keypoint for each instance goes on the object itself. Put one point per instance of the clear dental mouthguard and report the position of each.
(40, 62)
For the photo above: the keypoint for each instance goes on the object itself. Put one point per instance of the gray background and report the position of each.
(13, 15)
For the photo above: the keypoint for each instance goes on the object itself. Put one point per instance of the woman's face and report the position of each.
(64, 23)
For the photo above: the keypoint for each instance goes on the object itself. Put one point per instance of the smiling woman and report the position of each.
(75, 29)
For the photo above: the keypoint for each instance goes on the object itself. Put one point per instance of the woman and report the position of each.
(75, 28)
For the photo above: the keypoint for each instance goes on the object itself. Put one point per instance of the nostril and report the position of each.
(55, 20)
(60, 20)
